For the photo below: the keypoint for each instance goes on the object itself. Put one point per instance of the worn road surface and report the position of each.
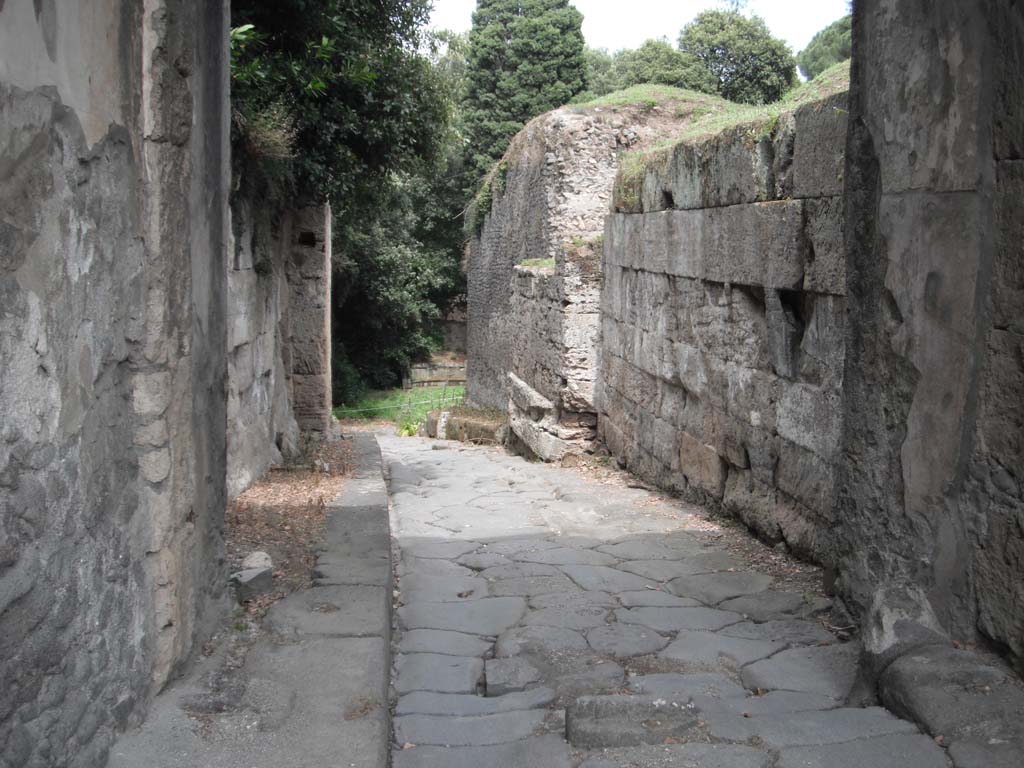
(548, 620)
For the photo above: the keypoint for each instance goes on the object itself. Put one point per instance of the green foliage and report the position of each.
(655, 62)
(830, 46)
(658, 62)
(748, 64)
(548, 263)
(525, 57)
(360, 101)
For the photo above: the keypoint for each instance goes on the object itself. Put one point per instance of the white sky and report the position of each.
(615, 24)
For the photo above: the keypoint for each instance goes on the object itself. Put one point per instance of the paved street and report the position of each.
(549, 620)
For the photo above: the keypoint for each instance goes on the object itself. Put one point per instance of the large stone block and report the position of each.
(818, 152)
(702, 465)
(825, 266)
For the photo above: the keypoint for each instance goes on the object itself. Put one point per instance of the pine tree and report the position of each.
(525, 57)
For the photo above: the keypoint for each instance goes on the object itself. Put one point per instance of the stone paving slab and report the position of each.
(567, 556)
(693, 755)
(712, 649)
(828, 670)
(537, 752)
(601, 578)
(429, 588)
(509, 675)
(832, 726)
(429, 703)
(438, 673)
(623, 640)
(578, 618)
(675, 619)
(897, 751)
(471, 731)
(666, 570)
(443, 641)
(624, 721)
(772, 604)
(573, 599)
(713, 588)
(682, 687)
(650, 549)
(790, 632)
(655, 598)
(488, 616)
(344, 611)
(539, 639)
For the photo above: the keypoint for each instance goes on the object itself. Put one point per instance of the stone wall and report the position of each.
(113, 211)
(271, 338)
(722, 322)
(930, 502)
(533, 329)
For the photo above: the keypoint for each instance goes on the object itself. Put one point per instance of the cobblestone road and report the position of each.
(547, 620)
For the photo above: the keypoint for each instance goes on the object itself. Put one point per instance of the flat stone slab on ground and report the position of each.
(430, 588)
(828, 670)
(509, 675)
(432, 567)
(712, 649)
(439, 550)
(512, 547)
(773, 703)
(438, 673)
(624, 640)
(895, 751)
(831, 726)
(653, 547)
(655, 598)
(713, 588)
(536, 752)
(692, 755)
(429, 703)
(539, 639)
(354, 571)
(519, 571)
(566, 556)
(343, 611)
(684, 686)
(773, 604)
(469, 731)
(666, 570)
(573, 599)
(488, 616)
(789, 631)
(623, 721)
(675, 619)
(443, 641)
(532, 586)
(604, 579)
(478, 561)
(975, 754)
(582, 617)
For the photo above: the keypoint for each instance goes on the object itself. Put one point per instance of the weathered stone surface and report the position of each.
(429, 703)
(650, 598)
(620, 721)
(583, 617)
(438, 673)
(665, 570)
(712, 649)
(952, 694)
(682, 687)
(654, 548)
(567, 556)
(624, 640)
(489, 616)
(897, 751)
(250, 583)
(441, 641)
(509, 675)
(788, 632)
(770, 604)
(538, 752)
(601, 578)
(543, 640)
(832, 726)
(674, 619)
(257, 560)
(712, 589)
(826, 670)
(429, 588)
(573, 599)
(472, 730)
(342, 611)
(479, 561)
(681, 756)
(440, 550)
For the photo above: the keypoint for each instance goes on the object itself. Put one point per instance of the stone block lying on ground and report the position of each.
(252, 582)
(828, 670)
(536, 752)
(470, 731)
(509, 675)
(438, 673)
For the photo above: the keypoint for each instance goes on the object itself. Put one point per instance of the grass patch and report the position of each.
(407, 408)
(648, 96)
(713, 116)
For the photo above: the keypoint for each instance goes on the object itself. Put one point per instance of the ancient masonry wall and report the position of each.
(278, 337)
(533, 328)
(113, 215)
(722, 323)
(931, 516)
